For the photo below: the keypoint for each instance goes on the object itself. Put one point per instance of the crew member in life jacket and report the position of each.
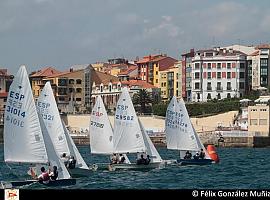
(44, 176)
(53, 174)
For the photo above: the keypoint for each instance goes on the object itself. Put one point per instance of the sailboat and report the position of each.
(129, 135)
(26, 139)
(101, 133)
(181, 135)
(49, 114)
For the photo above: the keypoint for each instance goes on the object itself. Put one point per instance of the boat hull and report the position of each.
(80, 172)
(195, 162)
(134, 166)
(59, 182)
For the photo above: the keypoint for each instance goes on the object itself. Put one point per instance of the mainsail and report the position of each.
(23, 139)
(48, 111)
(101, 133)
(178, 128)
(127, 135)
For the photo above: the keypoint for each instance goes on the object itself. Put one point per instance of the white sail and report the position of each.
(101, 133)
(80, 163)
(54, 158)
(127, 136)
(178, 128)
(150, 148)
(23, 139)
(48, 111)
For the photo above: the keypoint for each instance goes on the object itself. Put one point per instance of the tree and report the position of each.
(142, 98)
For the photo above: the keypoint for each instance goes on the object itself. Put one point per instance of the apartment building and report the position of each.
(218, 73)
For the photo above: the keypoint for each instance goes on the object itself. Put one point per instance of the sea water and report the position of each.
(239, 168)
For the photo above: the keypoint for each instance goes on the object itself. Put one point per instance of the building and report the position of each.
(5, 82)
(259, 67)
(171, 82)
(187, 75)
(72, 92)
(130, 73)
(218, 73)
(149, 67)
(36, 79)
(110, 89)
(258, 117)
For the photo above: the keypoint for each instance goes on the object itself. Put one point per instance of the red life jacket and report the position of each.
(45, 176)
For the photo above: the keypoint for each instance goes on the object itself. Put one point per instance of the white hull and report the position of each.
(79, 172)
(134, 166)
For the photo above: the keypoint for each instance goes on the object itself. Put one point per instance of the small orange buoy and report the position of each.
(212, 153)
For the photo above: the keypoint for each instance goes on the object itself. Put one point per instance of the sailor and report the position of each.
(65, 159)
(71, 162)
(147, 161)
(44, 176)
(113, 159)
(121, 159)
(202, 154)
(196, 156)
(188, 155)
(53, 174)
(141, 161)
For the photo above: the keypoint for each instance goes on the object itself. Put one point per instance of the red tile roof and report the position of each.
(129, 70)
(255, 53)
(263, 46)
(48, 71)
(100, 77)
(141, 83)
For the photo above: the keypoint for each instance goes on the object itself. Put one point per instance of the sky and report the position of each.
(61, 33)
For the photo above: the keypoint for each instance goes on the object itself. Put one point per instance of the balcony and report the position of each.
(220, 89)
(209, 88)
(229, 88)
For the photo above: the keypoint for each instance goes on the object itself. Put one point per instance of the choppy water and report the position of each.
(239, 168)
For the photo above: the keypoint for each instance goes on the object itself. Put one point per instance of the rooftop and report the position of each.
(48, 71)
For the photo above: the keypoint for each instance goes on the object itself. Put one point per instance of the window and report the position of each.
(228, 65)
(209, 86)
(70, 90)
(218, 96)
(110, 88)
(219, 65)
(156, 72)
(229, 86)
(263, 122)
(177, 84)
(62, 91)
(218, 74)
(62, 82)
(228, 74)
(197, 85)
(242, 75)
(209, 96)
(242, 85)
(101, 88)
(78, 90)
(197, 75)
(229, 95)
(219, 86)
(78, 99)
(264, 71)
(71, 81)
(198, 96)
(242, 65)
(208, 75)
(78, 81)
(197, 65)
(208, 65)
(253, 122)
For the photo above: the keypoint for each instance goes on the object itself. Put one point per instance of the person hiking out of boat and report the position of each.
(147, 161)
(71, 162)
(53, 174)
(188, 155)
(121, 159)
(65, 159)
(196, 156)
(44, 176)
(113, 159)
(141, 160)
(202, 154)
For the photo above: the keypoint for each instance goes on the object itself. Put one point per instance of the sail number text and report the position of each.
(99, 125)
(124, 117)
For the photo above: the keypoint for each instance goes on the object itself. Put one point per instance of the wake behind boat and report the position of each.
(181, 135)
